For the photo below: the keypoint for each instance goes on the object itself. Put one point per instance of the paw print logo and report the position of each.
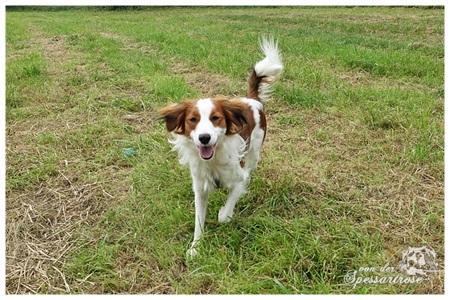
(419, 261)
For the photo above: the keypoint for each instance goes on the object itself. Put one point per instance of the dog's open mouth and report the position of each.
(207, 152)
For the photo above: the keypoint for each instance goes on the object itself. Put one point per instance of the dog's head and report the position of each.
(205, 121)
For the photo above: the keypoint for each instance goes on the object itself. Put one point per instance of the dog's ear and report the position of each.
(174, 116)
(235, 114)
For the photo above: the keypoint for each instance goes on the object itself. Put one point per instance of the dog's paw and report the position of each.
(225, 216)
(191, 252)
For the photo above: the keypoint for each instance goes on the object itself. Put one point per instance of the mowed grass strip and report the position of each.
(351, 172)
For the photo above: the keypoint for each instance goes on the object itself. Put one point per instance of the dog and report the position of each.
(221, 139)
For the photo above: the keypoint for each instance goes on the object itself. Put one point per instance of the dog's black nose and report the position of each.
(204, 138)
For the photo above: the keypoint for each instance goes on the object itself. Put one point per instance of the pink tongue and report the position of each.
(207, 152)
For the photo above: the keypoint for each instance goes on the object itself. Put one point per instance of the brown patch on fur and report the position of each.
(235, 114)
(241, 118)
(253, 86)
(175, 115)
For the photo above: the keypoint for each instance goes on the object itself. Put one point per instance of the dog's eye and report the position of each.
(193, 120)
(215, 118)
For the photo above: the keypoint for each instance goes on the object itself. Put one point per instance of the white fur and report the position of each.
(205, 107)
(270, 66)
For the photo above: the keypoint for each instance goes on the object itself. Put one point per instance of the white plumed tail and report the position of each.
(266, 72)
(271, 65)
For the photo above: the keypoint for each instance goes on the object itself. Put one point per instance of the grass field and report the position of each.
(352, 169)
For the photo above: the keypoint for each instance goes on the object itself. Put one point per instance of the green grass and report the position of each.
(351, 173)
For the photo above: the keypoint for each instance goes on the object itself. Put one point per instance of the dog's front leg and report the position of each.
(201, 200)
(227, 211)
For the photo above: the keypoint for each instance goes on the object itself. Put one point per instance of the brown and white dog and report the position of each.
(221, 139)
